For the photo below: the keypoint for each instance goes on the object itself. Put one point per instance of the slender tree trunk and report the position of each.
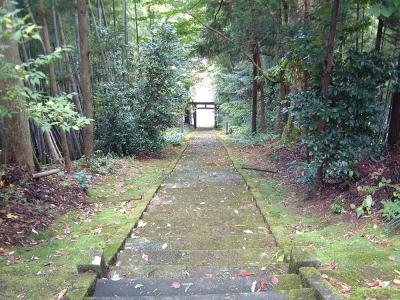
(103, 13)
(48, 49)
(17, 145)
(255, 89)
(125, 24)
(137, 27)
(86, 85)
(283, 92)
(262, 96)
(358, 19)
(53, 79)
(262, 100)
(114, 17)
(362, 30)
(394, 125)
(76, 27)
(379, 33)
(71, 76)
(326, 76)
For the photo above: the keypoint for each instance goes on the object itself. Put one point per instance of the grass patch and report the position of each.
(118, 201)
(359, 252)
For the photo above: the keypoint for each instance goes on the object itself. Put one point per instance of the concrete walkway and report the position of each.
(202, 235)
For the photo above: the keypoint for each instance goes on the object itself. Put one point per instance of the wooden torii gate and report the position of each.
(204, 105)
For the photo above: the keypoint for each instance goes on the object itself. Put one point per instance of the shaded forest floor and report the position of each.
(359, 256)
(43, 265)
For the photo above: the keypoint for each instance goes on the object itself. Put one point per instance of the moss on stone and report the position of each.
(301, 294)
(288, 282)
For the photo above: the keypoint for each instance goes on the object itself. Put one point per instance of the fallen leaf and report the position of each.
(263, 285)
(176, 285)
(246, 273)
(274, 280)
(11, 216)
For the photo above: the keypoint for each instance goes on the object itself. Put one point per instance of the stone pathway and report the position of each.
(202, 237)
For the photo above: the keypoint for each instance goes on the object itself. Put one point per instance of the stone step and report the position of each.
(206, 191)
(225, 258)
(205, 230)
(198, 211)
(156, 287)
(159, 220)
(202, 205)
(195, 242)
(197, 197)
(269, 295)
(287, 281)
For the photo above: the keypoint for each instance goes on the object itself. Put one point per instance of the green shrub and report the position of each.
(338, 205)
(391, 209)
(344, 126)
(133, 111)
(83, 179)
(174, 136)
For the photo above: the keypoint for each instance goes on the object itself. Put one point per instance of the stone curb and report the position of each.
(312, 278)
(94, 265)
(301, 259)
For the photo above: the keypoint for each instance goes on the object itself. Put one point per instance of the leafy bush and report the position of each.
(344, 126)
(174, 136)
(133, 111)
(99, 164)
(249, 140)
(83, 179)
(391, 209)
(338, 205)
(366, 206)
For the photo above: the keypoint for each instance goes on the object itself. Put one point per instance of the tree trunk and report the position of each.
(47, 46)
(136, 26)
(262, 99)
(379, 33)
(394, 125)
(17, 146)
(262, 96)
(71, 76)
(88, 131)
(255, 88)
(125, 24)
(283, 92)
(114, 16)
(53, 79)
(326, 76)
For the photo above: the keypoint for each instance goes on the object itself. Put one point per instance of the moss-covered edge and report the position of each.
(281, 236)
(85, 284)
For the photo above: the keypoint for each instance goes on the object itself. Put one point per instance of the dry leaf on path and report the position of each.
(246, 273)
(176, 285)
(263, 285)
(274, 280)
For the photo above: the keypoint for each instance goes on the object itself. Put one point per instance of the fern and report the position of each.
(394, 224)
